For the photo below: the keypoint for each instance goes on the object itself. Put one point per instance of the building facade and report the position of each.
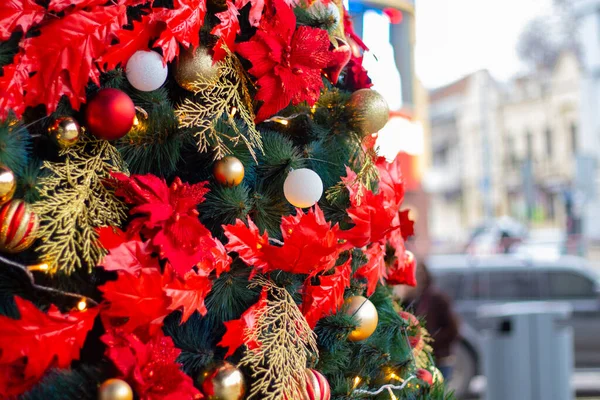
(503, 150)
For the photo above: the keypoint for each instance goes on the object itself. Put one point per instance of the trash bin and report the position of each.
(527, 351)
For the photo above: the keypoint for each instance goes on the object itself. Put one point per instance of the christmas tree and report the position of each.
(192, 206)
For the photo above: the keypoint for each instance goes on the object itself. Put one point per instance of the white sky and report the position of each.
(456, 37)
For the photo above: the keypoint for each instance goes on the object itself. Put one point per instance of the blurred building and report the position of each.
(588, 150)
(503, 149)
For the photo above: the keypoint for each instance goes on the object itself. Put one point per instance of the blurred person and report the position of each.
(435, 307)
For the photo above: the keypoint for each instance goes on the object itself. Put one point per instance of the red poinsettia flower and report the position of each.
(403, 271)
(286, 61)
(150, 367)
(167, 215)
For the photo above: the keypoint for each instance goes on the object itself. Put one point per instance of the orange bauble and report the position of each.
(18, 226)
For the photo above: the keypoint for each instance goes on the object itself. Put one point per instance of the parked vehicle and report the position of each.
(475, 281)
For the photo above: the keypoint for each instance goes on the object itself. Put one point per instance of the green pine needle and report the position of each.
(14, 145)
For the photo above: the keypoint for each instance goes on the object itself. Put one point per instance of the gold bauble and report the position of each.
(115, 389)
(65, 131)
(223, 381)
(194, 64)
(8, 184)
(365, 312)
(368, 111)
(229, 171)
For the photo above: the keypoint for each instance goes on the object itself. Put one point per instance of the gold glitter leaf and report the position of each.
(225, 98)
(75, 202)
(286, 342)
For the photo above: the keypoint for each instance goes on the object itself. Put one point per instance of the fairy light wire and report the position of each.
(75, 296)
(389, 386)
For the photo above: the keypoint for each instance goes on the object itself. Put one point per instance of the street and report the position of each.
(586, 384)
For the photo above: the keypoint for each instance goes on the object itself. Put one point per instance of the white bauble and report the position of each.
(303, 187)
(146, 71)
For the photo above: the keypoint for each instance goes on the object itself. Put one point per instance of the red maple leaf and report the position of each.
(372, 219)
(150, 367)
(403, 271)
(375, 269)
(189, 294)
(256, 10)
(407, 226)
(44, 340)
(286, 61)
(111, 237)
(130, 41)
(235, 334)
(19, 14)
(328, 296)
(310, 244)
(391, 183)
(64, 53)
(130, 257)
(62, 5)
(247, 242)
(181, 26)
(226, 31)
(138, 300)
(168, 216)
(12, 86)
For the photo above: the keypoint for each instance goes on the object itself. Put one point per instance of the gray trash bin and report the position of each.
(527, 351)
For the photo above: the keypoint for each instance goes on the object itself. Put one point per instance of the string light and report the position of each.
(357, 381)
(82, 305)
(39, 267)
(233, 112)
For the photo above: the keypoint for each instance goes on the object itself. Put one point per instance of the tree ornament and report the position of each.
(229, 171)
(146, 70)
(18, 226)
(223, 381)
(303, 187)
(110, 114)
(368, 111)
(115, 389)
(8, 184)
(317, 387)
(425, 376)
(65, 131)
(192, 65)
(365, 312)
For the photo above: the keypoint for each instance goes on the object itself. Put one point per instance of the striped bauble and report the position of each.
(317, 387)
(18, 226)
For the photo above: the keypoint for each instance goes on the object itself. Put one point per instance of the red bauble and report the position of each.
(317, 387)
(425, 376)
(18, 226)
(110, 114)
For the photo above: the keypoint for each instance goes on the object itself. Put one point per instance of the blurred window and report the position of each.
(529, 145)
(548, 134)
(573, 137)
(450, 283)
(570, 285)
(506, 285)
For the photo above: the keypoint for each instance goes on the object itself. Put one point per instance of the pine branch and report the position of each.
(225, 98)
(286, 341)
(76, 201)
